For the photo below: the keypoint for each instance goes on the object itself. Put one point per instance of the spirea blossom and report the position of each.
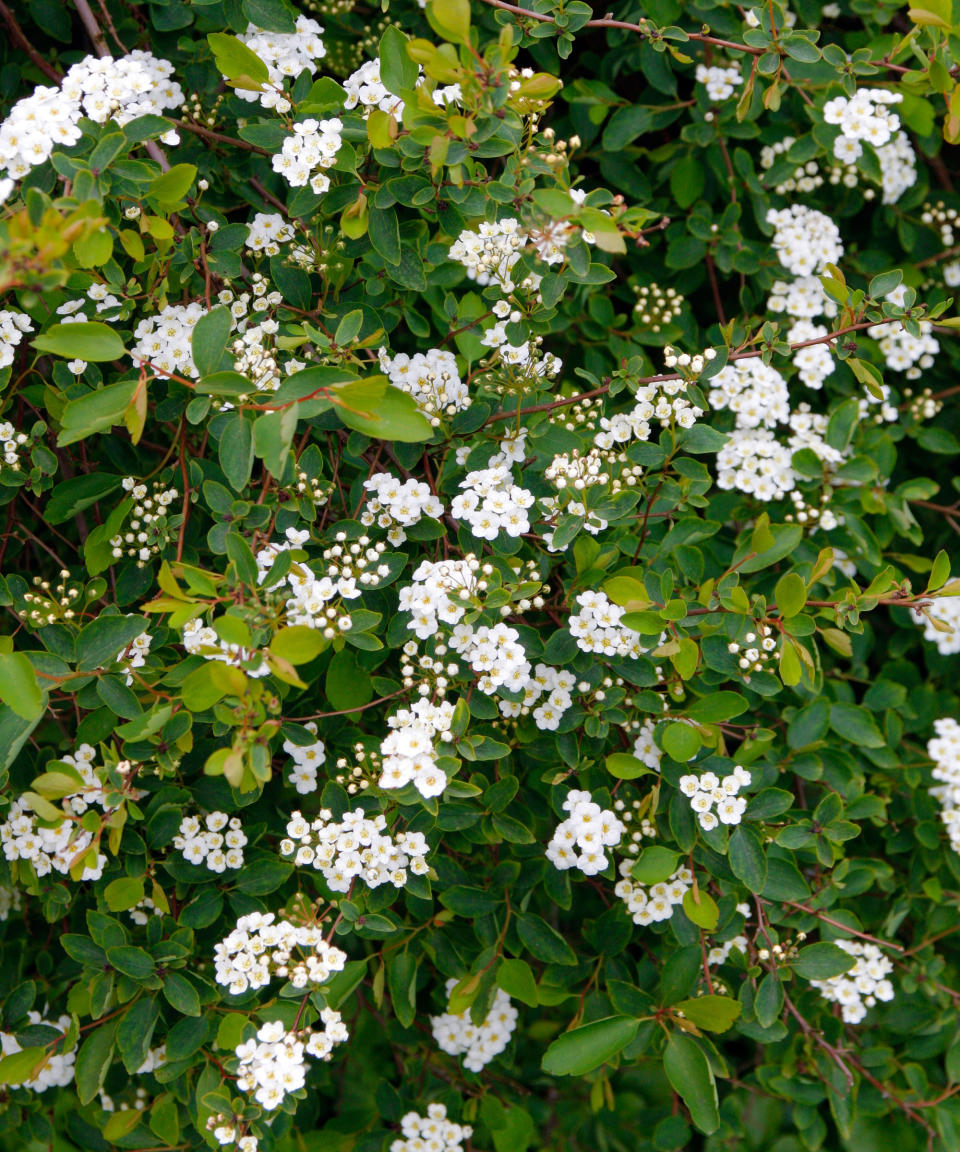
(216, 842)
(355, 847)
(164, 341)
(596, 627)
(13, 326)
(814, 363)
(408, 753)
(440, 593)
(863, 985)
(580, 840)
(366, 91)
(944, 751)
(431, 378)
(715, 800)
(134, 655)
(755, 392)
(495, 654)
(720, 83)
(491, 252)
(804, 239)
(754, 461)
(272, 1066)
(478, 1044)
(266, 232)
(201, 640)
(664, 403)
(261, 947)
(308, 152)
(649, 905)
(903, 351)
(307, 758)
(431, 1133)
(491, 503)
(286, 55)
(397, 504)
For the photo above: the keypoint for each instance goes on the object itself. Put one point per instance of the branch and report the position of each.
(20, 40)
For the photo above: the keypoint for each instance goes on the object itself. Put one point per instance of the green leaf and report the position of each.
(238, 63)
(717, 707)
(93, 1060)
(655, 864)
(583, 1049)
(383, 229)
(542, 941)
(450, 19)
(856, 725)
(691, 1076)
(769, 1000)
(516, 978)
(273, 434)
(209, 340)
(100, 641)
(347, 685)
(397, 71)
(18, 1067)
(711, 1013)
(124, 894)
(95, 412)
(135, 1031)
(790, 594)
(626, 767)
(236, 451)
(170, 188)
(270, 15)
(86, 340)
(747, 858)
(77, 494)
(298, 644)
(822, 961)
(19, 688)
(402, 982)
(701, 909)
(381, 411)
(680, 741)
(131, 961)
(120, 1123)
(181, 994)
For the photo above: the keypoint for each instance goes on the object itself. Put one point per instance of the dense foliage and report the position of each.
(479, 488)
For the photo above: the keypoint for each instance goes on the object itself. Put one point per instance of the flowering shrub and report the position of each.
(478, 664)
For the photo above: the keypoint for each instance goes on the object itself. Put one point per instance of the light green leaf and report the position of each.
(583, 1049)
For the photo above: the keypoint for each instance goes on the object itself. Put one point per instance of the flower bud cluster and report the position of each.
(259, 948)
(355, 848)
(307, 758)
(656, 306)
(720, 953)
(650, 905)
(218, 842)
(706, 791)
(478, 1044)
(272, 1066)
(755, 651)
(140, 914)
(10, 900)
(51, 604)
(14, 445)
(644, 829)
(145, 533)
(863, 985)
(431, 1133)
(690, 366)
(580, 840)
(813, 515)
(359, 776)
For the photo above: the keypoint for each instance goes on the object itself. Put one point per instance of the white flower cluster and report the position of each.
(866, 115)
(258, 949)
(491, 502)
(720, 83)
(527, 356)
(708, 790)
(308, 152)
(164, 340)
(944, 751)
(902, 351)
(495, 654)
(557, 683)
(596, 627)
(355, 847)
(140, 914)
(755, 462)
(272, 1066)
(13, 326)
(945, 611)
(814, 363)
(805, 177)
(801, 299)
(431, 1133)
(145, 533)
(226, 1133)
(457, 1035)
(218, 842)
(755, 392)
(397, 504)
(491, 252)
(431, 378)
(201, 640)
(720, 953)
(285, 54)
(98, 89)
(808, 429)
(863, 985)
(366, 90)
(134, 655)
(56, 849)
(13, 443)
(664, 401)
(648, 905)
(645, 748)
(266, 232)
(441, 593)
(580, 840)
(408, 752)
(57, 1069)
(804, 239)
(306, 760)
